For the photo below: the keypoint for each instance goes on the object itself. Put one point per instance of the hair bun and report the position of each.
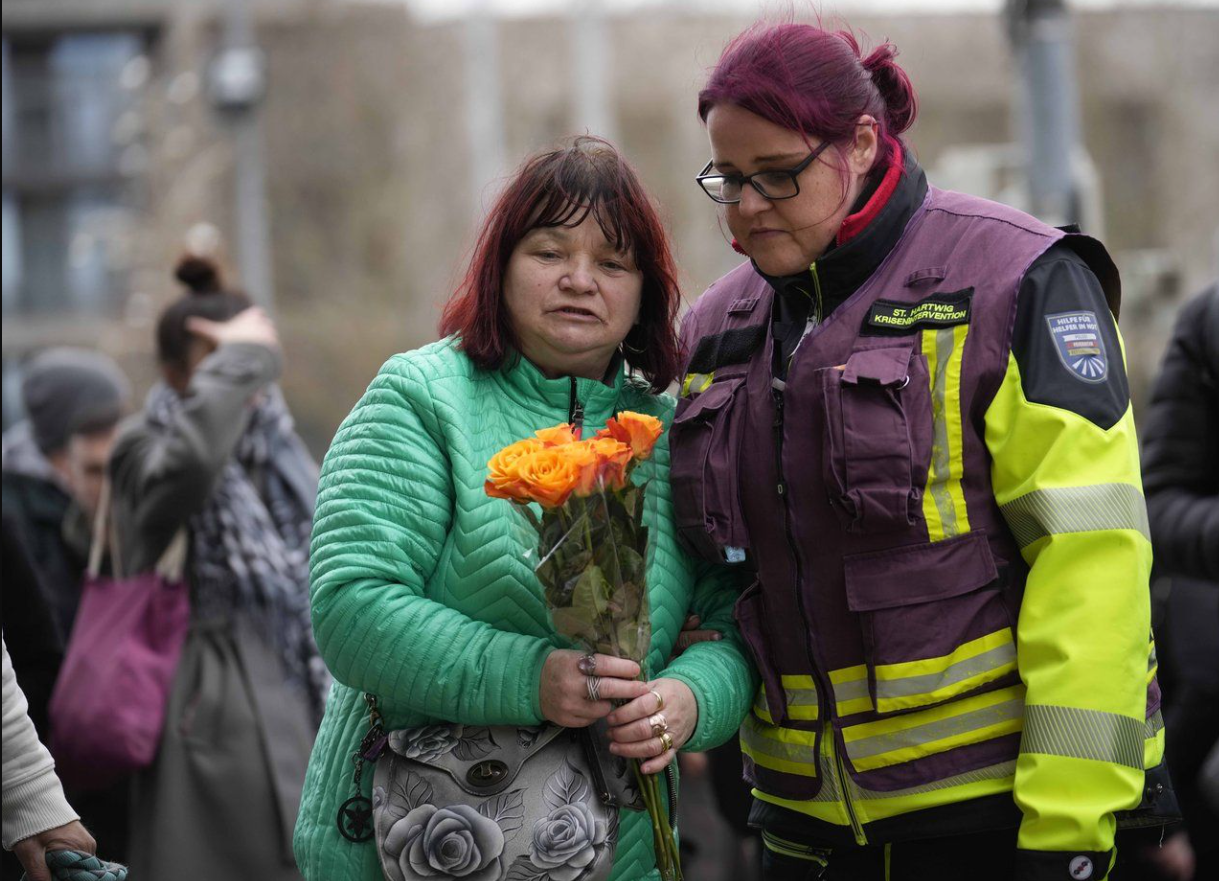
(901, 103)
(199, 274)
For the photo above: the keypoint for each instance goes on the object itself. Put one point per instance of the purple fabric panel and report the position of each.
(935, 767)
(918, 573)
(889, 366)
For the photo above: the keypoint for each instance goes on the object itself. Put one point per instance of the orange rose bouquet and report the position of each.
(592, 548)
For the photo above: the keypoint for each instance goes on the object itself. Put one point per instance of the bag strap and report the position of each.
(102, 534)
(170, 565)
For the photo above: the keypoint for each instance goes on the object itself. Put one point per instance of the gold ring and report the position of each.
(666, 742)
(660, 701)
(659, 724)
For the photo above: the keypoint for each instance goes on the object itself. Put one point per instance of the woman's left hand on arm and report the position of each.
(633, 726)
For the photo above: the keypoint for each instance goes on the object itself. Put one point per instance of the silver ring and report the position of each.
(593, 684)
(587, 664)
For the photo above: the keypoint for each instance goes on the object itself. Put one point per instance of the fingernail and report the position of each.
(717, 637)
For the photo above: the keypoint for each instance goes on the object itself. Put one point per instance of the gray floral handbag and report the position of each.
(497, 804)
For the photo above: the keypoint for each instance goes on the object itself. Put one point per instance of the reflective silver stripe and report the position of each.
(1153, 726)
(994, 772)
(958, 672)
(755, 742)
(937, 730)
(849, 691)
(940, 453)
(795, 697)
(1076, 509)
(801, 697)
(1083, 734)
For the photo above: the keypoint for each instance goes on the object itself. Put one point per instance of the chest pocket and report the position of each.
(878, 431)
(705, 445)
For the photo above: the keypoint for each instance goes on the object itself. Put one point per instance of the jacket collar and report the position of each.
(867, 236)
(526, 385)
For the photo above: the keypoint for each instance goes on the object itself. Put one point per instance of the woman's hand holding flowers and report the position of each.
(564, 689)
(632, 728)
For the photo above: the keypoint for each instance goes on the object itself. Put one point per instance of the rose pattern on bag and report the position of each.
(430, 742)
(447, 843)
(457, 842)
(453, 843)
(566, 842)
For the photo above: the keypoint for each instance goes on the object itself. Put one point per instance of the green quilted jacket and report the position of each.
(422, 596)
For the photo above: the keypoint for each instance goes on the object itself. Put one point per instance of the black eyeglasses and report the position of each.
(774, 185)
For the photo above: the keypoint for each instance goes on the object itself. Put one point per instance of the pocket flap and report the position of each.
(708, 402)
(886, 367)
(918, 573)
(481, 760)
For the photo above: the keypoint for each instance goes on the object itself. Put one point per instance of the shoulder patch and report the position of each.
(941, 309)
(1079, 344)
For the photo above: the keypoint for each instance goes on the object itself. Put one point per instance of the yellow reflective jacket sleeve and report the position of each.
(1070, 489)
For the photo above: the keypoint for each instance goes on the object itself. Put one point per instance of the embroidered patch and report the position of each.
(893, 317)
(1078, 341)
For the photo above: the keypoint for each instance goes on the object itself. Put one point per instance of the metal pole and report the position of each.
(238, 87)
(484, 114)
(1042, 40)
(590, 63)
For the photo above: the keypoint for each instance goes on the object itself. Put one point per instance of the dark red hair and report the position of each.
(815, 82)
(561, 188)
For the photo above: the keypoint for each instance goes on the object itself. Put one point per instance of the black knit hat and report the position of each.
(72, 391)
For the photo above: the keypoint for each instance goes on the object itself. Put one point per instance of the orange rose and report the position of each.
(503, 481)
(613, 458)
(639, 431)
(584, 457)
(560, 434)
(547, 476)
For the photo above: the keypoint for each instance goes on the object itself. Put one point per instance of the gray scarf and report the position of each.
(250, 543)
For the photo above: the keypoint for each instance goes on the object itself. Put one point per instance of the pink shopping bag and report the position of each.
(108, 706)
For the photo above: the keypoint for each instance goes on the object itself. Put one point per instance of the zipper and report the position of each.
(777, 388)
(819, 301)
(575, 411)
(843, 785)
(826, 696)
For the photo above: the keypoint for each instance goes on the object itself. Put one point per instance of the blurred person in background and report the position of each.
(926, 448)
(54, 468)
(214, 453)
(1181, 474)
(422, 595)
(37, 816)
(55, 464)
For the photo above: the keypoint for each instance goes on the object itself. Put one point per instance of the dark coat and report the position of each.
(41, 509)
(221, 799)
(1181, 446)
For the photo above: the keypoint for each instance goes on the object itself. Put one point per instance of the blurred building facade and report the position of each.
(114, 150)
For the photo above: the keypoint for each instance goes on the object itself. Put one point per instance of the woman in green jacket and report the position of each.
(422, 593)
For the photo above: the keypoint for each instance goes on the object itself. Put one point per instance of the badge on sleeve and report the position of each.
(1078, 341)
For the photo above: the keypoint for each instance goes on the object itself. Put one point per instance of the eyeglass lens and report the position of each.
(772, 185)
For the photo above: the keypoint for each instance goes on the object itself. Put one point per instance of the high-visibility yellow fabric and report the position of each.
(944, 500)
(1072, 494)
(919, 683)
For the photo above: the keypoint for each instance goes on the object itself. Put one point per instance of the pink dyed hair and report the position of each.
(815, 82)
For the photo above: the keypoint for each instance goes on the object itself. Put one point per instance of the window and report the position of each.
(74, 156)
